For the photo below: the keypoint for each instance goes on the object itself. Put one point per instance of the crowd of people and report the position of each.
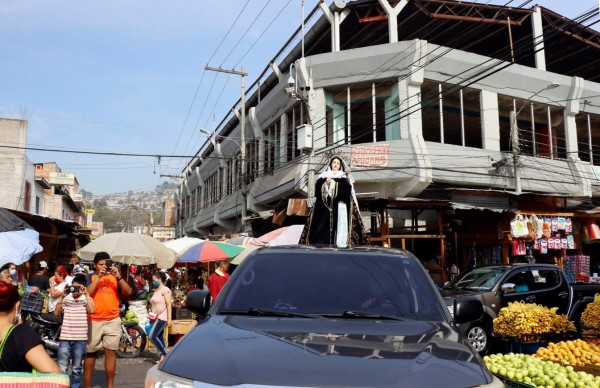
(87, 303)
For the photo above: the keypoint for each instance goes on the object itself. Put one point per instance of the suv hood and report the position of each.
(233, 350)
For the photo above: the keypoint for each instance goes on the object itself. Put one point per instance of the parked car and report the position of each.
(311, 317)
(497, 285)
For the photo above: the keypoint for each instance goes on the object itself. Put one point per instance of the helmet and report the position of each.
(80, 269)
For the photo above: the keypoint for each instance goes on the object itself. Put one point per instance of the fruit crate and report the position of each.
(32, 302)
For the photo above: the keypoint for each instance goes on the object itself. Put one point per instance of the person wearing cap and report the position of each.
(40, 279)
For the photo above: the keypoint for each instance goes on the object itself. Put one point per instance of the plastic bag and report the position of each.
(131, 316)
(518, 227)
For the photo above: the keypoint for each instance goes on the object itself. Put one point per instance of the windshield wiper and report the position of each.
(277, 313)
(366, 314)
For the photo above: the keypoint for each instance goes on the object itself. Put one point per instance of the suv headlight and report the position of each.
(157, 379)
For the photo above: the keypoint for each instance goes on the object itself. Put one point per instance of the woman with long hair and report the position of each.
(21, 347)
(161, 306)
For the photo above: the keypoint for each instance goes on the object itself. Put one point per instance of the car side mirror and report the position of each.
(198, 301)
(467, 309)
(508, 288)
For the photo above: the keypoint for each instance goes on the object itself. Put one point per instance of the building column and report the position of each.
(538, 38)
(283, 138)
(335, 18)
(490, 125)
(318, 114)
(258, 135)
(392, 13)
(571, 110)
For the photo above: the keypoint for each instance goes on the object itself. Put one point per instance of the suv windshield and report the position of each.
(329, 283)
(477, 279)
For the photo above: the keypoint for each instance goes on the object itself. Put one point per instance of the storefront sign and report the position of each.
(61, 178)
(163, 233)
(90, 211)
(370, 156)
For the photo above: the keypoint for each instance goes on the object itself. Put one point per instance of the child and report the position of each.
(74, 333)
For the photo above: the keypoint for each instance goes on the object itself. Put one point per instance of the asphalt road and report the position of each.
(131, 372)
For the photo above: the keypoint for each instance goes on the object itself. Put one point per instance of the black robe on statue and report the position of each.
(322, 224)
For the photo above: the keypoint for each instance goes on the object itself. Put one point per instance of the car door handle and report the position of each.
(530, 299)
(563, 294)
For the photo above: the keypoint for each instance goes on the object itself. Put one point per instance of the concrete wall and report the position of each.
(13, 164)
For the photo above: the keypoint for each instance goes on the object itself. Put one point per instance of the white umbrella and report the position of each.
(290, 236)
(18, 246)
(130, 248)
(182, 244)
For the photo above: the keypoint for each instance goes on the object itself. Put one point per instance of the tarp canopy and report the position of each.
(10, 222)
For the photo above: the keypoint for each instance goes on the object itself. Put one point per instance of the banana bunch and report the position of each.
(520, 318)
(591, 314)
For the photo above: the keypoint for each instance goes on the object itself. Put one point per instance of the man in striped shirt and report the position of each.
(76, 303)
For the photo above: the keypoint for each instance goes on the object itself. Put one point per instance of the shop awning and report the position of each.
(10, 222)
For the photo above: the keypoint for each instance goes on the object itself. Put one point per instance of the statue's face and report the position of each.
(335, 165)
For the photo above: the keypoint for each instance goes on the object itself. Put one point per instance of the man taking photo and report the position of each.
(105, 323)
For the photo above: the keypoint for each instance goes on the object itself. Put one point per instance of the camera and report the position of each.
(71, 289)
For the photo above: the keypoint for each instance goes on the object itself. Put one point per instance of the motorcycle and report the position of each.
(133, 337)
(46, 324)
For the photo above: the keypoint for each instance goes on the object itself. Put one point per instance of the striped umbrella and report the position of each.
(209, 251)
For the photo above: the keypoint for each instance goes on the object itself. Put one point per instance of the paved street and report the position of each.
(130, 371)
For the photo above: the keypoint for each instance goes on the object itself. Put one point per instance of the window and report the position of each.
(521, 280)
(537, 124)
(451, 115)
(251, 160)
(588, 137)
(295, 117)
(545, 278)
(362, 113)
(27, 201)
(272, 152)
(37, 205)
(230, 172)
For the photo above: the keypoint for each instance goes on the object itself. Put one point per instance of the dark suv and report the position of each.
(311, 317)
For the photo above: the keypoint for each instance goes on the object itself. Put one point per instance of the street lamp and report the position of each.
(204, 131)
(515, 135)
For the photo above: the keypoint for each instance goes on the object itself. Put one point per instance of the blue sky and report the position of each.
(121, 76)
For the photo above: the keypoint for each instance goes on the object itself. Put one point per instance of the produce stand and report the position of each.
(179, 329)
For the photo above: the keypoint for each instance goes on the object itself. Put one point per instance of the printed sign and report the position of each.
(61, 178)
(90, 211)
(370, 156)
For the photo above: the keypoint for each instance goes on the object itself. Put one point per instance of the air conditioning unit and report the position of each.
(305, 140)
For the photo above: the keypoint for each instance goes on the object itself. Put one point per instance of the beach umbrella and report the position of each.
(290, 236)
(272, 234)
(242, 255)
(130, 248)
(209, 251)
(18, 240)
(180, 245)
(245, 241)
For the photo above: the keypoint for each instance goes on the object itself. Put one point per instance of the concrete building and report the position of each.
(18, 190)
(62, 199)
(418, 98)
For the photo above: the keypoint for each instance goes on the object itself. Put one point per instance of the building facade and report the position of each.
(424, 99)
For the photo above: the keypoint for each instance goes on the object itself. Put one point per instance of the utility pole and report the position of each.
(242, 74)
(515, 151)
